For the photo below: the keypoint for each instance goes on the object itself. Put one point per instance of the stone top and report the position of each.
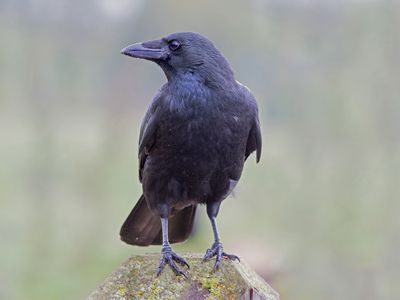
(136, 279)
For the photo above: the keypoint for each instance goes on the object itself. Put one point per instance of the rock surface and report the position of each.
(136, 279)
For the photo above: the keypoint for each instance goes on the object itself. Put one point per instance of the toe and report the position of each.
(165, 259)
(161, 267)
(183, 274)
(217, 265)
(176, 269)
(181, 260)
(209, 254)
(230, 256)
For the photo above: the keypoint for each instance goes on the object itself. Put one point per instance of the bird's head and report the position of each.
(184, 52)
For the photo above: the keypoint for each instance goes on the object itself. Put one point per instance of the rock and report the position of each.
(136, 279)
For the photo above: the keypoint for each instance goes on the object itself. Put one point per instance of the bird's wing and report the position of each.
(254, 141)
(147, 135)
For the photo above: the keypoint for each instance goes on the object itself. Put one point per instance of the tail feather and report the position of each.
(143, 228)
(181, 224)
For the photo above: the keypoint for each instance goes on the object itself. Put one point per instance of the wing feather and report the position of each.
(148, 133)
(254, 141)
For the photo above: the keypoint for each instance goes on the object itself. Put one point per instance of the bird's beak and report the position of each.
(148, 50)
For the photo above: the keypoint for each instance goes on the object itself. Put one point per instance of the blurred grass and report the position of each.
(317, 217)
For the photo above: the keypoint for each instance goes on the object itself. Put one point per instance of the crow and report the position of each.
(195, 137)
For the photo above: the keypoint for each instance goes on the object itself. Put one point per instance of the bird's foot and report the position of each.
(170, 257)
(218, 251)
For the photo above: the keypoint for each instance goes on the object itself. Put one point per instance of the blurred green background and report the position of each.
(317, 218)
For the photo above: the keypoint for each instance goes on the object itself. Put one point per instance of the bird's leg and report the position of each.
(169, 256)
(216, 248)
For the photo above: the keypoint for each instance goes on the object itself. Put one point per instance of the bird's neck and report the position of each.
(199, 78)
(187, 91)
(187, 85)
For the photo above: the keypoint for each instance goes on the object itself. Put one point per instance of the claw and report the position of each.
(181, 260)
(217, 250)
(169, 257)
(230, 256)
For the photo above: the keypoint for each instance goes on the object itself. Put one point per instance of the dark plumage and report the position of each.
(195, 137)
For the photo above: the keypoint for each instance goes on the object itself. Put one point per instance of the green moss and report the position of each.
(122, 291)
(155, 290)
(213, 284)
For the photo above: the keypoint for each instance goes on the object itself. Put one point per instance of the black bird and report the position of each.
(194, 139)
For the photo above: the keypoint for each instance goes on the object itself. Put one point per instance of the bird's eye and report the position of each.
(174, 45)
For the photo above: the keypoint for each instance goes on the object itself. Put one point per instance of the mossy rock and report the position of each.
(136, 279)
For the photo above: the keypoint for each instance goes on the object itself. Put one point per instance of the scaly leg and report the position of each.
(169, 256)
(216, 249)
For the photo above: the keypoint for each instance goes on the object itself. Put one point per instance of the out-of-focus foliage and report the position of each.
(318, 217)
